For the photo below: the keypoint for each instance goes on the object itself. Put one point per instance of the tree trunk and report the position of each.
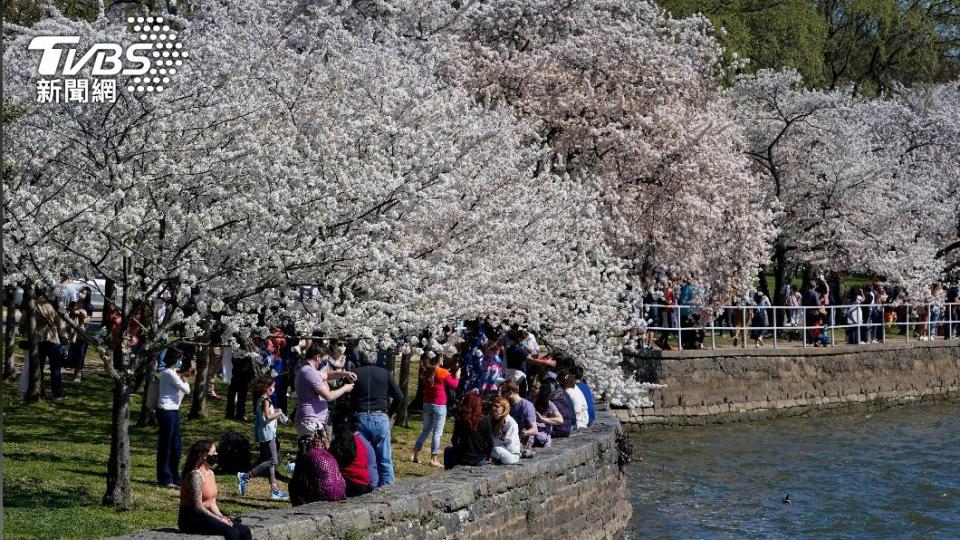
(779, 277)
(34, 379)
(404, 382)
(119, 492)
(148, 416)
(9, 331)
(200, 383)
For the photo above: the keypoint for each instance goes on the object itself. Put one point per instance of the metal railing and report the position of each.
(799, 324)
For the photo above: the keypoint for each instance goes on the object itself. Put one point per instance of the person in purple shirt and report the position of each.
(316, 475)
(313, 392)
(523, 412)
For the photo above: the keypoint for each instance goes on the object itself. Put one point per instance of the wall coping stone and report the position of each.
(406, 504)
(769, 351)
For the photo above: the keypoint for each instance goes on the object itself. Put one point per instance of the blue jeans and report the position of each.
(168, 447)
(376, 428)
(54, 353)
(433, 418)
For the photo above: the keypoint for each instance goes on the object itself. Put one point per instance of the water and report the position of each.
(889, 474)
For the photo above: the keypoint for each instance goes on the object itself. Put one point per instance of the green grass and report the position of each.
(850, 282)
(55, 459)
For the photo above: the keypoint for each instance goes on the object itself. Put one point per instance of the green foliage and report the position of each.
(868, 45)
(27, 12)
(772, 34)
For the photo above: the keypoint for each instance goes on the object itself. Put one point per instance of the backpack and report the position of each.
(234, 452)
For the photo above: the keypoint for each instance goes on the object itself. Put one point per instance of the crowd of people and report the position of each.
(865, 313)
(506, 395)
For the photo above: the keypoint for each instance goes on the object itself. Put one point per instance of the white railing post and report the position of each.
(774, 328)
(833, 326)
(804, 330)
(906, 323)
(743, 323)
(679, 337)
(883, 325)
(713, 332)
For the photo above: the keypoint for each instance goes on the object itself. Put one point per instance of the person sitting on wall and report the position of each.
(506, 435)
(199, 513)
(316, 475)
(523, 413)
(351, 455)
(587, 394)
(472, 440)
(548, 416)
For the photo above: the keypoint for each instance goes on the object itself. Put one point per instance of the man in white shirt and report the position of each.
(173, 387)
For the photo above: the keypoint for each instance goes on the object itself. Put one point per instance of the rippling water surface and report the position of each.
(889, 474)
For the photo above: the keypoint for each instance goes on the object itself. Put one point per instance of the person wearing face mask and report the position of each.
(314, 393)
(198, 512)
(81, 312)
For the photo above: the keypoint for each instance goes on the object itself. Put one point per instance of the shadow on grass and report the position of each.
(46, 457)
(16, 495)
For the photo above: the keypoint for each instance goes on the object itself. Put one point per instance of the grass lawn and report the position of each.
(55, 461)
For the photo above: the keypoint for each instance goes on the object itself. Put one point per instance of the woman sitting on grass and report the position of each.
(316, 475)
(198, 497)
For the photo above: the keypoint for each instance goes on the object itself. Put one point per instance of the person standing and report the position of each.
(50, 332)
(81, 312)
(173, 387)
(265, 434)
(434, 380)
(376, 398)
(243, 373)
(313, 392)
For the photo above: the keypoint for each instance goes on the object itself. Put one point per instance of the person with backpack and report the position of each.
(561, 400)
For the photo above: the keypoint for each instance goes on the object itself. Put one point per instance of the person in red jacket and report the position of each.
(351, 456)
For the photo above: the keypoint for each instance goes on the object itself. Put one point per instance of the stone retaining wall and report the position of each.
(740, 385)
(573, 490)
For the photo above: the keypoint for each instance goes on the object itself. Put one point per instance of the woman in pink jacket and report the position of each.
(434, 380)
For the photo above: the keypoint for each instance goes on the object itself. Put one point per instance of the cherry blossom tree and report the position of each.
(340, 164)
(626, 101)
(859, 184)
